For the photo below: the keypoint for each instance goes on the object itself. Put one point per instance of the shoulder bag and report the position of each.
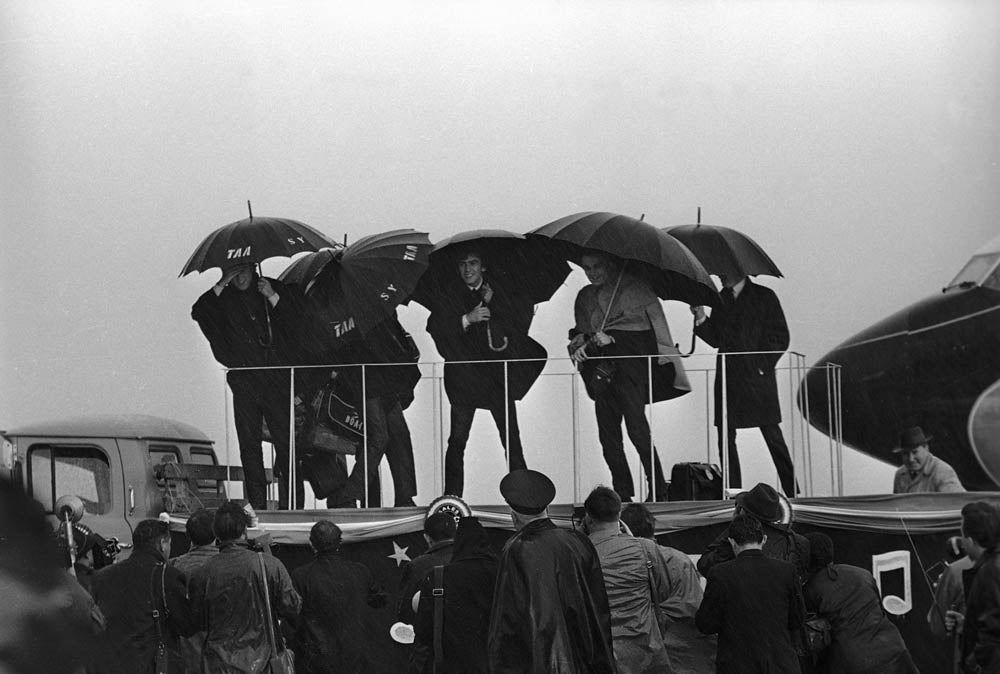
(283, 661)
(160, 660)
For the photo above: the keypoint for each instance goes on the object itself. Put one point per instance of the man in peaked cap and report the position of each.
(546, 574)
(922, 471)
(764, 504)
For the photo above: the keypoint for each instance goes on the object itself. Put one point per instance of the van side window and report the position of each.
(164, 454)
(204, 456)
(57, 470)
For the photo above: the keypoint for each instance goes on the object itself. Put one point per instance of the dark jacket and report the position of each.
(981, 633)
(481, 385)
(416, 572)
(753, 603)
(227, 594)
(781, 543)
(550, 608)
(863, 640)
(754, 322)
(468, 597)
(329, 632)
(125, 593)
(236, 324)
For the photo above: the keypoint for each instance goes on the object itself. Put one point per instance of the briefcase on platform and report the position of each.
(695, 482)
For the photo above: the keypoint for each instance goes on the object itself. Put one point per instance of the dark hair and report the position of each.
(745, 529)
(440, 527)
(149, 532)
(199, 527)
(639, 520)
(325, 536)
(981, 523)
(230, 521)
(820, 550)
(603, 504)
(463, 251)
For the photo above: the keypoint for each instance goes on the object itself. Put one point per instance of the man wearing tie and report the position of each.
(750, 321)
(475, 320)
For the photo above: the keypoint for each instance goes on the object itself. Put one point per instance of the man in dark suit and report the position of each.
(750, 320)
(252, 322)
(477, 319)
(753, 603)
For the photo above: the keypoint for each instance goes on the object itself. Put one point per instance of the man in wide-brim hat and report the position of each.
(764, 504)
(922, 471)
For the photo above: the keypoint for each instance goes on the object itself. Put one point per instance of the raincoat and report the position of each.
(633, 594)
(227, 595)
(863, 641)
(550, 608)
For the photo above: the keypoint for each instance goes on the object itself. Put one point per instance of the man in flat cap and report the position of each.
(764, 505)
(550, 608)
(922, 471)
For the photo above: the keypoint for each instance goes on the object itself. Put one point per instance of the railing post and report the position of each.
(506, 413)
(724, 427)
(364, 418)
(575, 401)
(293, 493)
(650, 473)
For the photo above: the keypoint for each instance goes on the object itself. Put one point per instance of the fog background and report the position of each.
(857, 142)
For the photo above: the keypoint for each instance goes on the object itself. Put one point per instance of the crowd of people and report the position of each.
(479, 322)
(602, 596)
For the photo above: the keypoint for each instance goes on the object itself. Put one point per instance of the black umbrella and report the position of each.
(518, 262)
(253, 240)
(375, 273)
(725, 251)
(665, 263)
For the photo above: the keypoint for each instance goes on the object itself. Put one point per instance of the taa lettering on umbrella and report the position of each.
(410, 253)
(341, 328)
(295, 239)
(235, 253)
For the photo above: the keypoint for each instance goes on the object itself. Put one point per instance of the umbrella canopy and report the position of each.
(665, 263)
(519, 262)
(724, 251)
(375, 273)
(253, 240)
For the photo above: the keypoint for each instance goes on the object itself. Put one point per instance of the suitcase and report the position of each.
(695, 482)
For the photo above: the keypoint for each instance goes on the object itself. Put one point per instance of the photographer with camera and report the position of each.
(618, 314)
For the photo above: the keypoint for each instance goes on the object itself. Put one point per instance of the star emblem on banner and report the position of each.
(399, 554)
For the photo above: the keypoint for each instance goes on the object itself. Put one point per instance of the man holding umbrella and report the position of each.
(751, 321)
(474, 318)
(250, 322)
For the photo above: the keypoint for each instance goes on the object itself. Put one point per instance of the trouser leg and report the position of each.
(782, 459)
(368, 459)
(274, 397)
(454, 458)
(609, 432)
(399, 454)
(633, 408)
(515, 452)
(248, 418)
(735, 474)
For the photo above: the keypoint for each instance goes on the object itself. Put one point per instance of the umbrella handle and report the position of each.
(489, 340)
(693, 338)
(269, 342)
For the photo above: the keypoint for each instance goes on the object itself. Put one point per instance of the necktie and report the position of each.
(727, 296)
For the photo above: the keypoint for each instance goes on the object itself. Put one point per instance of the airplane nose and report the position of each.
(984, 419)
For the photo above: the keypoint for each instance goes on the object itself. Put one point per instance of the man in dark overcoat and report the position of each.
(478, 319)
(550, 606)
(253, 322)
(330, 630)
(467, 581)
(753, 603)
(127, 594)
(750, 319)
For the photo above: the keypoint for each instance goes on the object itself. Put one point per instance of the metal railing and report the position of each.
(431, 452)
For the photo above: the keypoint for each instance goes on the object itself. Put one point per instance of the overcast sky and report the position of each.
(856, 141)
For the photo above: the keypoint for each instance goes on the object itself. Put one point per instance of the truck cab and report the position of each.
(125, 468)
